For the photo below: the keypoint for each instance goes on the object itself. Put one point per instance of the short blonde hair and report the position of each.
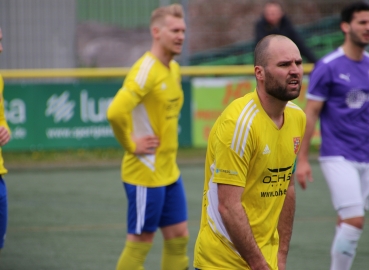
(159, 14)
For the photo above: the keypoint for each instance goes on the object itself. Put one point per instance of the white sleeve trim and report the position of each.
(317, 98)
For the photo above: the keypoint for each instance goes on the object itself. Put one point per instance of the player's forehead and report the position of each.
(174, 22)
(360, 16)
(283, 49)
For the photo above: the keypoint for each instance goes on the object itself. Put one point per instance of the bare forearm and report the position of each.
(312, 111)
(305, 144)
(242, 237)
(285, 225)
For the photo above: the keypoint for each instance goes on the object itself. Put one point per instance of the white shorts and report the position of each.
(348, 182)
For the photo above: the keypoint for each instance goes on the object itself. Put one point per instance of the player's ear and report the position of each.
(155, 31)
(345, 27)
(259, 72)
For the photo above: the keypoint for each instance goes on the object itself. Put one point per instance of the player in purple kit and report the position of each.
(338, 94)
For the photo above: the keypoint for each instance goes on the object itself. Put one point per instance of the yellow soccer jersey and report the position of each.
(247, 149)
(2, 123)
(149, 103)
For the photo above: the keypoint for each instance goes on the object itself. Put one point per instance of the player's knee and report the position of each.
(353, 215)
(176, 246)
(175, 254)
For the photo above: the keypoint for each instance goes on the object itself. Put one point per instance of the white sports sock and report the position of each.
(344, 247)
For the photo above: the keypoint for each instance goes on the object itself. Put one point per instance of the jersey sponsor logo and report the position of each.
(356, 98)
(345, 77)
(296, 144)
(278, 175)
(266, 150)
(276, 193)
(231, 172)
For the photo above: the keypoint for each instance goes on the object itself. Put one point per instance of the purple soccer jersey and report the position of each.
(343, 84)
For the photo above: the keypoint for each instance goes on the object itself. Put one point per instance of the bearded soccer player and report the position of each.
(144, 117)
(249, 196)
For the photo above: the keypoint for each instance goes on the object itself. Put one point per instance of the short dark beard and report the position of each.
(275, 89)
(356, 40)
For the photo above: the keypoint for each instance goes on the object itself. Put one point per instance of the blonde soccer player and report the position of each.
(144, 116)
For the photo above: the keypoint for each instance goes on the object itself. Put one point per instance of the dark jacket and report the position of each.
(285, 28)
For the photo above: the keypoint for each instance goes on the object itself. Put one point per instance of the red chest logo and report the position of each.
(296, 144)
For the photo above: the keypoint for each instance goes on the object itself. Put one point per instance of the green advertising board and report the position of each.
(70, 115)
(210, 96)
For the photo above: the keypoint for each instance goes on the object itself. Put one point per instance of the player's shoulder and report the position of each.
(242, 112)
(295, 110)
(295, 115)
(241, 105)
(294, 107)
(174, 64)
(333, 57)
(328, 63)
(142, 71)
(145, 62)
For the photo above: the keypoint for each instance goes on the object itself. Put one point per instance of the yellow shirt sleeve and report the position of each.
(118, 115)
(3, 121)
(138, 83)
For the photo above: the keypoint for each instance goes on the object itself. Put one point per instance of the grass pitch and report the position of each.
(74, 217)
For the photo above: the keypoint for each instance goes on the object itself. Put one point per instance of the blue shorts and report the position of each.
(150, 208)
(3, 211)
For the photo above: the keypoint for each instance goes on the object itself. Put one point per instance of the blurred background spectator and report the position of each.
(274, 21)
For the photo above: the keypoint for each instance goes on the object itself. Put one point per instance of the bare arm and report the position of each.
(285, 224)
(238, 226)
(303, 169)
(4, 135)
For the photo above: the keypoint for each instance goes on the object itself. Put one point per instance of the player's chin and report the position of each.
(294, 91)
(177, 49)
(294, 94)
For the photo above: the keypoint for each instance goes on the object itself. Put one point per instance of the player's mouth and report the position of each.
(294, 83)
(366, 36)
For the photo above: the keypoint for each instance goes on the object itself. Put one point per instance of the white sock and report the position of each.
(344, 247)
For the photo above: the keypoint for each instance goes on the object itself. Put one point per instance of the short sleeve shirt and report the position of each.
(343, 85)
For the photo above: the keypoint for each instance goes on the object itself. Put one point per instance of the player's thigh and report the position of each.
(365, 183)
(145, 206)
(175, 205)
(343, 180)
(3, 211)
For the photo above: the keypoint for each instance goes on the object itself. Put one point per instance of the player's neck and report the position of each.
(273, 107)
(353, 51)
(161, 55)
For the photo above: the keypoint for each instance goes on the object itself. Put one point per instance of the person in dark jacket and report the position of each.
(274, 21)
